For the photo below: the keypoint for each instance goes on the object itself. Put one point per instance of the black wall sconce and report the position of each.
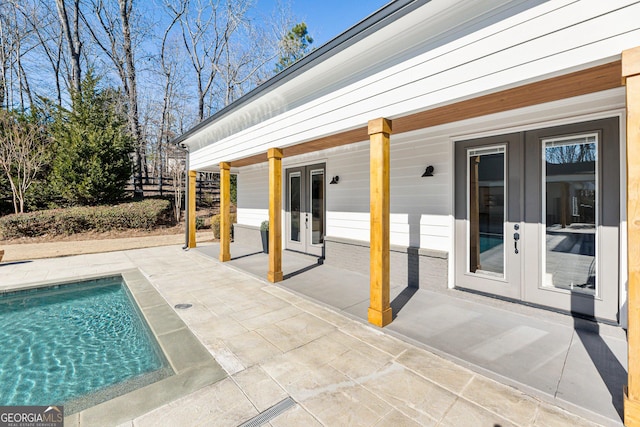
(335, 180)
(428, 171)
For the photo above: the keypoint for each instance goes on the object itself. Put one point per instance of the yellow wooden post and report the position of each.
(275, 215)
(631, 77)
(379, 308)
(192, 209)
(225, 211)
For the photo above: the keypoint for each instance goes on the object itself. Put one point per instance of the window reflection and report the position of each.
(317, 207)
(294, 208)
(486, 210)
(570, 213)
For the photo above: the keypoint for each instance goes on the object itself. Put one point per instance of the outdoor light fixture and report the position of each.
(335, 180)
(428, 171)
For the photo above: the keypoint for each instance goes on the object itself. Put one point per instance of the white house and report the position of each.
(480, 145)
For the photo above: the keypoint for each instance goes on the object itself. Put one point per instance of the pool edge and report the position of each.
(193, 365)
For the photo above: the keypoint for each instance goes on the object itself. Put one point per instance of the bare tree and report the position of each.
(176, 166)
(21, 34)
(169, 64)
(113, 36)
(6, 53)
(23, 152)
(244, 64)
(14, 45)
(72, 37)
(134, 123)
(41, 20)
(5, 46)
(207, 28)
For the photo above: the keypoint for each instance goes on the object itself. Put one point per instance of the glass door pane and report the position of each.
(294, 206)
(317, 206)
(570, 206)
(486, 210)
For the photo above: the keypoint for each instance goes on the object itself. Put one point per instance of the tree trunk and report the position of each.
(73, 40)
(134, 123)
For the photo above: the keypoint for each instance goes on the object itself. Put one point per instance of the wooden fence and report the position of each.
(207, 188)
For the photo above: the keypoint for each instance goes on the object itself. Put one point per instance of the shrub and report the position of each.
(215, 224)
(138, 215)
(92, 161)
(264, 226)
(199, 223)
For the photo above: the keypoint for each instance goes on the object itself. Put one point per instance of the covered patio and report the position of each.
(370, 112)
(570, 362)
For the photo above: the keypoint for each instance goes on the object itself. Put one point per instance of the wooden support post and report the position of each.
(192, 209)
(225, 211)
(379, 306)
(631, 77)
(275, 215)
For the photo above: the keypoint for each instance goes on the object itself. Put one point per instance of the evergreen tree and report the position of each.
(293, 46)
(92, 163)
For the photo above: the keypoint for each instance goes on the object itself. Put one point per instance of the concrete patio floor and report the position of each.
(274, 344)
(570, 362)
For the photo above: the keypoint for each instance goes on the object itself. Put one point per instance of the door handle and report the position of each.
(306, 221)
(516, 237)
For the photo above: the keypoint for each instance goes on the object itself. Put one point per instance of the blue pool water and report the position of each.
(489, 241)
(59, 344)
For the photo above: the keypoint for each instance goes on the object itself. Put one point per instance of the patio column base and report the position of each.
(380, 318)
(631, 410)
(275, 276)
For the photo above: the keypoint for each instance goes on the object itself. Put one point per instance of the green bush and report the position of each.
(199, 223)
(215, 224)
(138, 215)
(92, 162)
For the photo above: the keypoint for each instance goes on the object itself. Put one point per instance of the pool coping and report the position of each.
(193, 365)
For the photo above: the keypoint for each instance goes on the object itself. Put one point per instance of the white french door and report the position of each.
(305, 209)
(538, 215)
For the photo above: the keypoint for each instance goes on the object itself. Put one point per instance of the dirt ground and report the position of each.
(87, 243)
(114, 234)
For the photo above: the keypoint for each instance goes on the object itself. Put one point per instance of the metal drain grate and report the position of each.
(270, 413)
(182, 306)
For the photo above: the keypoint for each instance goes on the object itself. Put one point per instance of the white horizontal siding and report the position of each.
(253, 195)
(550, 39)
(420, 207)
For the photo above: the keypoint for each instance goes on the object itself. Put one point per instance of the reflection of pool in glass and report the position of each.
(74, 344)
(488, 241)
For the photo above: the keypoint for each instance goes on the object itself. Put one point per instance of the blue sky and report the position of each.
(326, 19)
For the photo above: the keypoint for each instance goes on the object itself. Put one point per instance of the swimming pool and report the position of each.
(74, 344)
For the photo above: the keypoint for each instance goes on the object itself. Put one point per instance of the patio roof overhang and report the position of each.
(590, 80)
(419, 62)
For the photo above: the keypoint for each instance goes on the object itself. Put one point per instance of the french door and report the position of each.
(305, 209)
(538, 214)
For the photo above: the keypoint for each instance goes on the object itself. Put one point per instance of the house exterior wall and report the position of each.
(421, 233)
(490, 51)
(253, 195)
(438, 55)
(420, 208)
